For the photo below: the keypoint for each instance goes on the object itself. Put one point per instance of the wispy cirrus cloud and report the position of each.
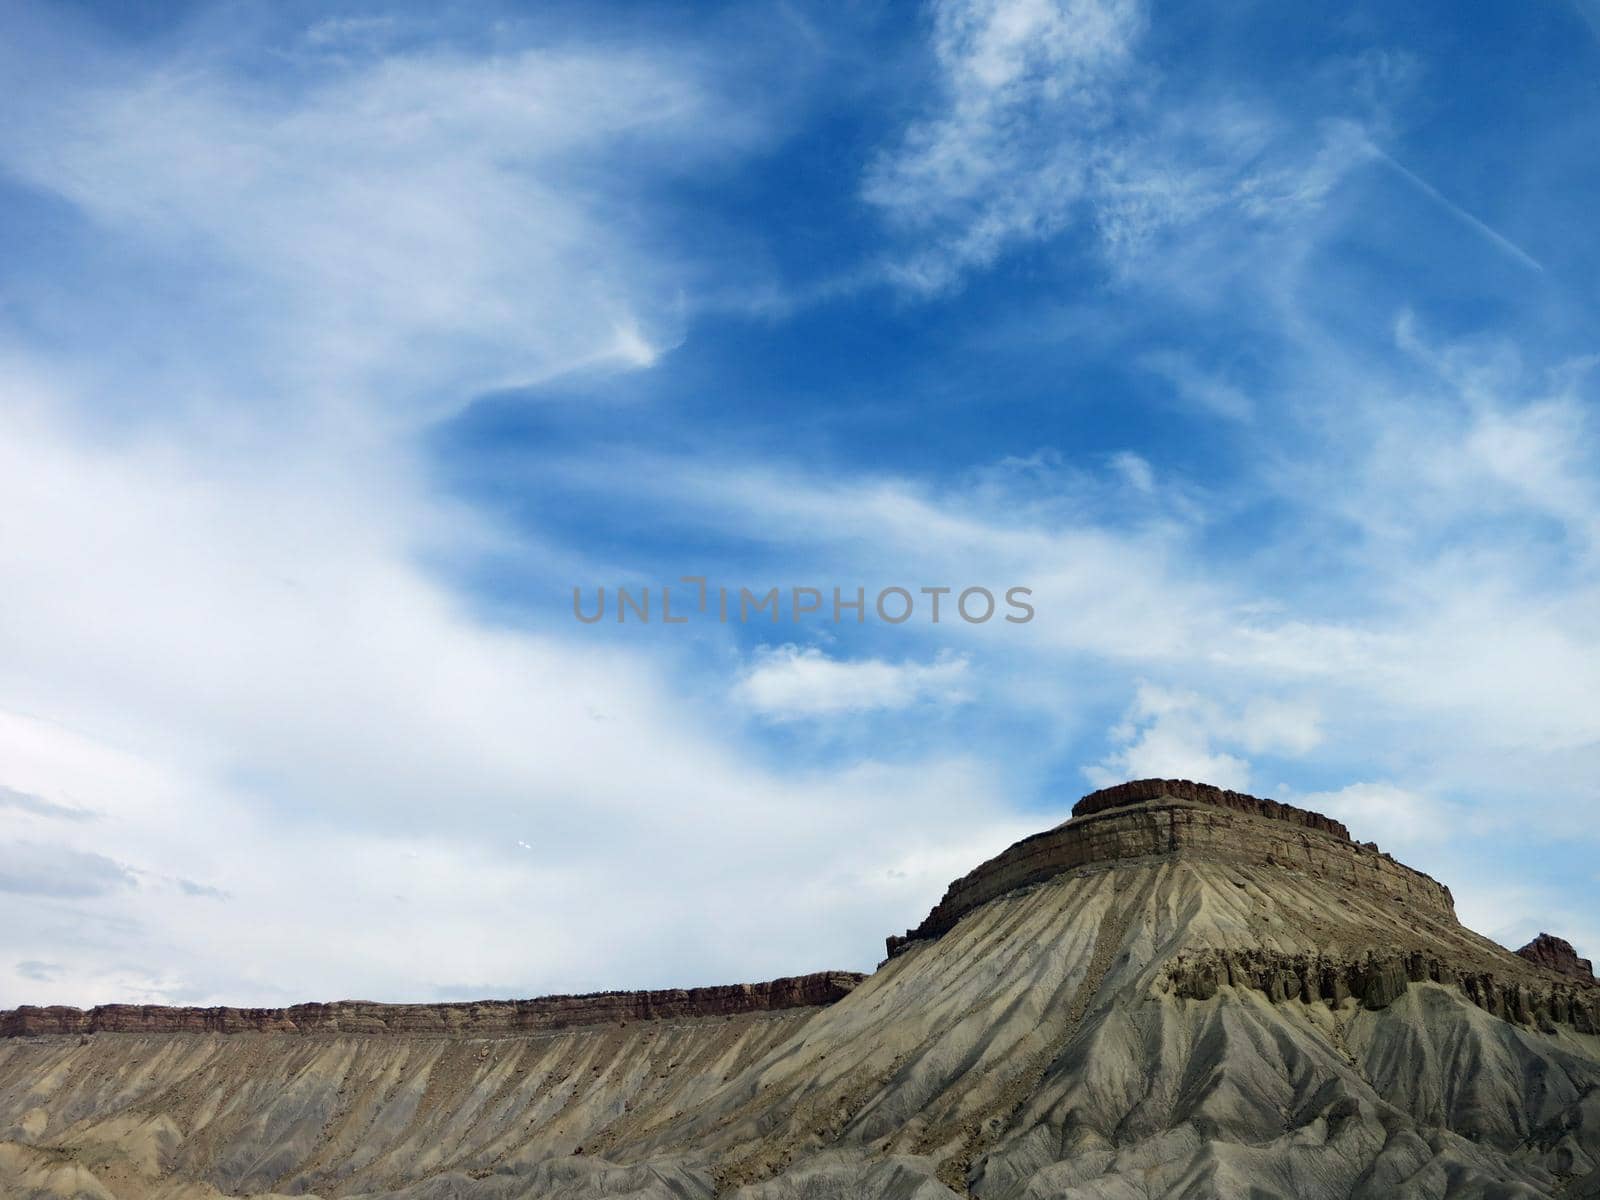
(1008, 153)
(38, 806)
(370, 226)
(1048, 122)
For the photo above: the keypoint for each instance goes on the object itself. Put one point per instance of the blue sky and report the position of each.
(340, 343)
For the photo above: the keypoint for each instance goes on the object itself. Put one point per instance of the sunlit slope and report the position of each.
(1210, 1018)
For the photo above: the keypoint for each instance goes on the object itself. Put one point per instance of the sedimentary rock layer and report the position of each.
(1378, 980)
(1136, 791)
(478, 1017)
(1169, 817)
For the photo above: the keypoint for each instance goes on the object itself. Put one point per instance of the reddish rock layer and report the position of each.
(1145, 818)
(1139, 790)
(477, 1017)
(1547, 950)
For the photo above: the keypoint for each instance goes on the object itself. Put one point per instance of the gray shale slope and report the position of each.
(1181, 992)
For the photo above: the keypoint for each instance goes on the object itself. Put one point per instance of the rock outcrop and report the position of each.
(477, 1017)
(1558, 955)
(1378, 980)
(1176, 817)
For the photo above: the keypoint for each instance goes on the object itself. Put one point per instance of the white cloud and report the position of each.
(1451, 637)
(1174, 734)
(1514, 912)
(1170, 737)
(1502, 438)
(255, 683)
(1101, 589)
(1274, 725)
(413, 226)
(1136, 470)
(1046, 122)
(1213, 195)
(1165, 752)
(335, 34)
(789, 682)
(1006, 156)
(1394, 817)
(34, 869)
(30, 805)
(220, 633)
(405, 885)
(1198, 387)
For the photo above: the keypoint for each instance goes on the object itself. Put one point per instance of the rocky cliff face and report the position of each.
(477, 1018)
(1558, 955)
(1169, 996)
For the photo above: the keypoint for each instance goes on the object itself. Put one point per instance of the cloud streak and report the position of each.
(792, 682)
(33, 869)
(366, 228)
(38, 806)
(1006, 155)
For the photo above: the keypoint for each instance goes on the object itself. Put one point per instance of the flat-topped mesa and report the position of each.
(1137, 791)
(481, 1017)
(1173, 817)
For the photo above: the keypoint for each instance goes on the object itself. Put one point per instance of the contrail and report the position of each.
(1500, 240)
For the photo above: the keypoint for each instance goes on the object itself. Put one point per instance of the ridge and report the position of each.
(467, 1017)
